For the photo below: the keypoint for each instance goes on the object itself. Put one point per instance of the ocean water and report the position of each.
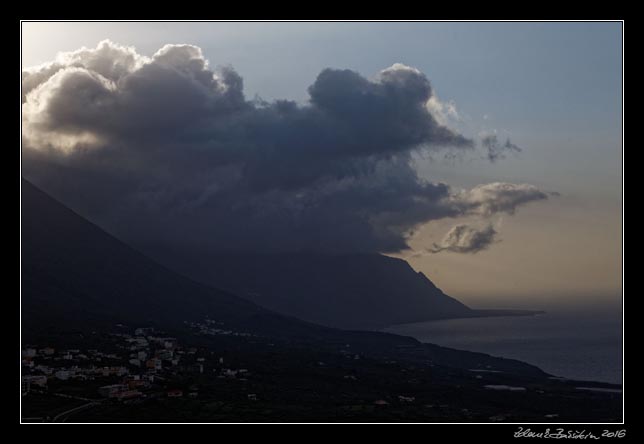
(570, 345)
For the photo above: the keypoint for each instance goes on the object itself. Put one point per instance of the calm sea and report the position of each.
(586, 347)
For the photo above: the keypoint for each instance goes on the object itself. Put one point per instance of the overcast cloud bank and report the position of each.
(164, 149)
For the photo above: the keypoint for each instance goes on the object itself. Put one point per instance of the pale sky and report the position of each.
(554, 88)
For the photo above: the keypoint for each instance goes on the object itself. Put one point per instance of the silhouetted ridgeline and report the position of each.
(354, 291)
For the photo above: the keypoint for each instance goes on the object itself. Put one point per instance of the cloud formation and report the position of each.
(496, 197)
(497, 150)
(464, 238)
(164, 149)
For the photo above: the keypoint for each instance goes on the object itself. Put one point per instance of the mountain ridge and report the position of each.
(349, 291)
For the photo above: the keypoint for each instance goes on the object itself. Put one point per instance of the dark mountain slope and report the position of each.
(74, 272)
(355, 291)
(76, 276)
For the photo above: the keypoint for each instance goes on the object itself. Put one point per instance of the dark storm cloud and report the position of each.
(164, 149)
(497, 150)
(466, 239)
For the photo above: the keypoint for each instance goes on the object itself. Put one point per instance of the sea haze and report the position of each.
(585, 346)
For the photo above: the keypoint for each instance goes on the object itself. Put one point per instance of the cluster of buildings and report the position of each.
(145, 364)
(213, 328)
(150, 352)
(142, 350)
(39, 366)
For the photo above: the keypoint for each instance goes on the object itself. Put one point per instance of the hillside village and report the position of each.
(135, 364)
(210, 371)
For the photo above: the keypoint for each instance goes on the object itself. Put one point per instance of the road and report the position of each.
(62, 417)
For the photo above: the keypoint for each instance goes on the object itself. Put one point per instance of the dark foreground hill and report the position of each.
(84, 294)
